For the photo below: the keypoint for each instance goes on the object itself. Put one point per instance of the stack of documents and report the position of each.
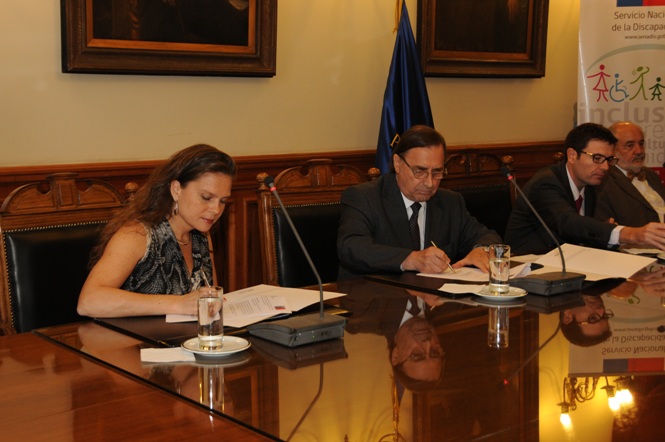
(254, 304)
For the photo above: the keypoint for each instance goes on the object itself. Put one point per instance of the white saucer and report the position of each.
(498, 302)
(227, 361)
(231, 344)
(513, 293)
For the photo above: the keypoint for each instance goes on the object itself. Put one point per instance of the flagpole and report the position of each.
(398, 13)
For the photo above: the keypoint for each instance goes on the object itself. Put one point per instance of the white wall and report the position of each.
(332, 65)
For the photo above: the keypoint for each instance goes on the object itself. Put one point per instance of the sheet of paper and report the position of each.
(472, 274)
(256, 303)
(461, 288)
(594, 263)
(164, 355)
(296, 299)
(641, 250)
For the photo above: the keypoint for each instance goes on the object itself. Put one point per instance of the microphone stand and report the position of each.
(273, 189)
(305, 329)
(311, 405)
(511, 179)
(551, 283)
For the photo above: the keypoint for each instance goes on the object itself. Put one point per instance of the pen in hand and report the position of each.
(449, 266)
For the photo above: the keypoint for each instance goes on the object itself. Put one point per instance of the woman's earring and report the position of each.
(175, 208)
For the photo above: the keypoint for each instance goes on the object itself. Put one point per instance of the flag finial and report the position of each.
(398, 13)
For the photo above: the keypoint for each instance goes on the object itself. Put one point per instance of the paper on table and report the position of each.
(256, 303)
(244, 311)
(641, 251)
(596, 264)
(162, 355)
(473, 274)
(461, 288)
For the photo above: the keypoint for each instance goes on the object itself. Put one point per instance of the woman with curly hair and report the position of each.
(159, 246)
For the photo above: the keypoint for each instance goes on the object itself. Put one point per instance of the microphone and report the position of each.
(551, 283)
(507, 380)
(305, 329)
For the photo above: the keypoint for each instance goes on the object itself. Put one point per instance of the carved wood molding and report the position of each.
(238, 260)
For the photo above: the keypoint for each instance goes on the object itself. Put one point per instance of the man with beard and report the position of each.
(564, 195)
(632, 194)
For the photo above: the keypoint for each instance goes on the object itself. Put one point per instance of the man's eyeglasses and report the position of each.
(421, 174)
(595, 318)
(419, 355)
(600, 159)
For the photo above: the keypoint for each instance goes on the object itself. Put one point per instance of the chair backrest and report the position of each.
(490, 201)
(47, 231)
(311, 194)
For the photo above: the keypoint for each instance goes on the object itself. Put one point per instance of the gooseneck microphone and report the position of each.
(551, 283)
(270, 182)
(305, 329)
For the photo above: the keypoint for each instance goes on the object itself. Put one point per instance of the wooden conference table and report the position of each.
(86, 381)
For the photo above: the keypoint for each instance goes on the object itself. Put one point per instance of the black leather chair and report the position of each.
(311, 195)
(488, 195)
(48, 230)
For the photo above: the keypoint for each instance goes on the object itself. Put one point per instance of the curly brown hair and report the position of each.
(153, 202)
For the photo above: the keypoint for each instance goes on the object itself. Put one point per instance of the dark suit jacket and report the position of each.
(373, 235)
(618, 198)
(550, 194)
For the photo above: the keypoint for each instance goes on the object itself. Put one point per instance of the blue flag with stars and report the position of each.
(405, 101)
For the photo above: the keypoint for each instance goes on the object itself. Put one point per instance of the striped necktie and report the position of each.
(413, 226)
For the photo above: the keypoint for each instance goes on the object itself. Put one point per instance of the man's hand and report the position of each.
(429, 260)
(477, 257)
(652, 234)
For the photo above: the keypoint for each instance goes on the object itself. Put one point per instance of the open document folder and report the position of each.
(259, 302)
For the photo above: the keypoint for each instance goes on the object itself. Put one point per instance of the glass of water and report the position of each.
(211, 318)
(499, 269)
(497, 330)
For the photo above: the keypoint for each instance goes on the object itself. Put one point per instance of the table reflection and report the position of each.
(618, 345)
(443, 370)
(588, 324)
(202, 382)
(417, 366)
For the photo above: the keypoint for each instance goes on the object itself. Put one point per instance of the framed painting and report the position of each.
(483, 38)
(170, 37)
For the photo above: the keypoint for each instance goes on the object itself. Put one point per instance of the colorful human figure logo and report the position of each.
(617, 92)
(601, 84)
(640, 71)
(655, 94)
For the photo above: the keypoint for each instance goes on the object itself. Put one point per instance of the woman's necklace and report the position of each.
(184, 243)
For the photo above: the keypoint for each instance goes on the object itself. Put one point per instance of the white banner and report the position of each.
(622, 68)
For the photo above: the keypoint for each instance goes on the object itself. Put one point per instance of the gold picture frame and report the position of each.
(483, 38)
(170, 37)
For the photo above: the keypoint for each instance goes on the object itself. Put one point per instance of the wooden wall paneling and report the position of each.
(236, 239)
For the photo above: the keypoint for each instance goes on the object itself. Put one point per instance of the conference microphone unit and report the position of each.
(551, 283)
(305, 329)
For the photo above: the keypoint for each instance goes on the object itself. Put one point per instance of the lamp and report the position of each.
(574, 393)
(567, 404)
(623, 394)
(612, 400)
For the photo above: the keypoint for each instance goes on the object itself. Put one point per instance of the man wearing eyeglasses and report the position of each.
(381, 229)
(632, 194)
(564, 195)
(587, 325)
